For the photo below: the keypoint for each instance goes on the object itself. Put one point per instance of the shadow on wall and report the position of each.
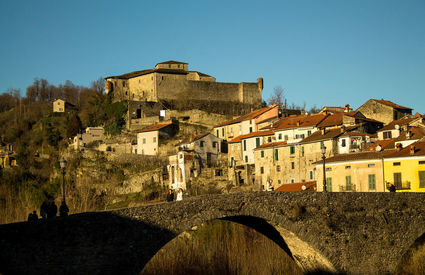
(89, 243)
(413, 261)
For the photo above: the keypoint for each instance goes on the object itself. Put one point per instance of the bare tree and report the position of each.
(277, 96)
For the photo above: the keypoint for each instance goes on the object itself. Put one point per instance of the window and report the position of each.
(422, 162)
(123, 83)
(421, 179)
(276, 154)
(308, 133)
(154, 139)
(181, 156)
(244, 145)
(322, 144)
(222, 132)
(201, 143)
(396, 163)
(329, 184)
(348, 167)
(144, 141)
(250, 121)
(292, 165)
(343, 142)
(292, 150)
(246, 158)
(311, 174)
(370, 165)
(348, 183)
(302, 151)
(218, 133)
(257, 142)
(214, 144)
(262, 154)
(286, 137)
(292, 180)
(280, 136)
(372, 182)
(278, 168)
(387, 135)
(262, 170)
(250, 129)
(231, 161)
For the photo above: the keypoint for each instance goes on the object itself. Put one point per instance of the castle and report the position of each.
(172, 80)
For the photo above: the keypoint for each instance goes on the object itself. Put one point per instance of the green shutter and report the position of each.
(244, 145)
(231, 162)
(372, 182)
(421, 179)
(257, 142)
(262, 154)
(222, 132)
(302, 150)
(218, 133)
(292, 150)
(348, 183)
(329, 184)
(276, 154)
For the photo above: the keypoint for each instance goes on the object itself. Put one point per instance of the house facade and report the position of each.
(148, 138)
(206, 146)
(383, 110)
(61, 106)
(91, 134)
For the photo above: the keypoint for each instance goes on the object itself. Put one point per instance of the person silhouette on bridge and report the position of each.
(43, 210)
(63, 209)
(170, 195)
(52, 209)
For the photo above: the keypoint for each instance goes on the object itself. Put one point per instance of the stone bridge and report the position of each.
(353, 233)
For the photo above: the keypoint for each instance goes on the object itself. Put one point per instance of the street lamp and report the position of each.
(324, 169)
(62, 163)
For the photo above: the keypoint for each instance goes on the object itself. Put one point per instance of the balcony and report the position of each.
(405, 185)
(348, 188)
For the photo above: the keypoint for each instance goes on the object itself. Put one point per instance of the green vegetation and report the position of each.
(221, 247)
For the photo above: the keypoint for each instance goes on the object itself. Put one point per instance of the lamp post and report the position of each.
(62, 163)
(324, 168)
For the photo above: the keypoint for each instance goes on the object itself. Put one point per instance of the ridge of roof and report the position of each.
(402, 121)
(250, 135)
(414, 149)
(148, 71)
(391, 104)
(155, 127)
(299, 121)
(172, 62)
(353, 157)
(248, 116)
(272, 144)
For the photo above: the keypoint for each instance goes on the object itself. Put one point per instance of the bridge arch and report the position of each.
(412, 260)
(302, 253)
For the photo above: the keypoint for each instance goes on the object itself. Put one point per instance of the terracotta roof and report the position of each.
(329, 134)
(415, 133)
(201, 74)
(337, 118)
(297, 187)
(385, 144)
(155, 127)
(271, 144)
(299, 121)
(248, 116)
(353, 157)
(250, 135)
(400, 122)
(391, 104)
(356, 134)
(415, 149)
(193, 138)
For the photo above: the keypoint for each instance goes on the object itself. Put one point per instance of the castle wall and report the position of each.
(142, 88)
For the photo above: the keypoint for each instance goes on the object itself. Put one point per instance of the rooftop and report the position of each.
(250, 135)
(299, 121)
(272, 144)
(391, 104)
(383, 144)
(406, 120)
(353, 157)
(251, 115)
(297, 187)
(415, 149)
(155, 127)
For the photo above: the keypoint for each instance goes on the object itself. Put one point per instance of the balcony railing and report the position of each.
(405, 185)
(348, 188)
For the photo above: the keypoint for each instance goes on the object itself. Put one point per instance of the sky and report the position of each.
(322, 53)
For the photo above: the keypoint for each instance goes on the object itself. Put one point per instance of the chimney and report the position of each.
(418, 115)
(399, 147)
(347, 108)
(412, 149)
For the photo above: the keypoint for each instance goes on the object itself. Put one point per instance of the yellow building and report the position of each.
(405, 168)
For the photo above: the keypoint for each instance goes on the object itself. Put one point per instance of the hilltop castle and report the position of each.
(172, 80)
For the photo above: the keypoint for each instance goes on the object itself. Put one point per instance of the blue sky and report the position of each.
(321, 52)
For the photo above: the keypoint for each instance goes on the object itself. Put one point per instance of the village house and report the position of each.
(396, 127)
(351, 142)
(91, 134)
(183, 166)
(241, 155)
(405, 168)
(172, 80)
(149, 137)
(245, 124)
(7, 155)
(295, 128)
(356, 172)
(308, 186)
(62, 106)
(205, 146)
(383, 110)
